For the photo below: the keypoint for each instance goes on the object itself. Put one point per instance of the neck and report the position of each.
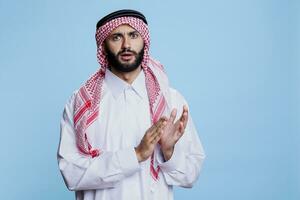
(129, 77)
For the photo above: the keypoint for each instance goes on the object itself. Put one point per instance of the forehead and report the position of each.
(124, 28)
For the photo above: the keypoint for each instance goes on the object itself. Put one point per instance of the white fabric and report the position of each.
(116, 173)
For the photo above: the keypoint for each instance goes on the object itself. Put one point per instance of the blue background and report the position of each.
(236, 62)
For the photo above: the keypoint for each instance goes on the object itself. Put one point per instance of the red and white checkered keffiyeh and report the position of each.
(87, 100)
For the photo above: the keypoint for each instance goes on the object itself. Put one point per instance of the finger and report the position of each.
(177, 125)
(179, 132)
(151, 129)
(164, 118)
(179, 135)
(156, 137)
(161, 120)
(154, 126)
(184, 113)
(186, 117)
(162, 125)
(157, 131)
(173, 115)
(181, 127)
(185, 108)
(159, 135)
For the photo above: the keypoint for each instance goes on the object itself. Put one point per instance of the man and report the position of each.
(121, 137)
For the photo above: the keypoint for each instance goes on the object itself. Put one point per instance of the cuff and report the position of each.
(128, 160)
(175, 163)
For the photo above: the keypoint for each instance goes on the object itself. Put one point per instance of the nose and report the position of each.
(126, 43)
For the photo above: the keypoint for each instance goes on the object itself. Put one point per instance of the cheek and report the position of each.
(114, 47)
(138, 44)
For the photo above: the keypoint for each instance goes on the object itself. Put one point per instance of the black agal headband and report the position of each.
(121, 13)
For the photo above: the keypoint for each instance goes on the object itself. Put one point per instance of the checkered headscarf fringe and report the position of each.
(88, 98)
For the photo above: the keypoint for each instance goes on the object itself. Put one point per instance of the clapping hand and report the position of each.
(172, 132)
(146, 147)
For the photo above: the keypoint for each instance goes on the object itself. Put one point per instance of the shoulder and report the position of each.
(177, 99)
(69, 104)
(176, 94)
(72, 97)
(68, 110)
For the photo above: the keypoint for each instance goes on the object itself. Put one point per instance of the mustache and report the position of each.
(126, 50)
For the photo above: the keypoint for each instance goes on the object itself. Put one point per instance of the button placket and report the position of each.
(130, 118)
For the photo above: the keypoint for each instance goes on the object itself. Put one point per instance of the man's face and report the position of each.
(124, 48)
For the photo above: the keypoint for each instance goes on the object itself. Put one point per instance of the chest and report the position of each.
(122, 121)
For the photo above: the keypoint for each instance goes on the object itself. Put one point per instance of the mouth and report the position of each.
(126, 56)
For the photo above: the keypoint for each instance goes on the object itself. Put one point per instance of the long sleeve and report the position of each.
(183, 168)
(82, 172)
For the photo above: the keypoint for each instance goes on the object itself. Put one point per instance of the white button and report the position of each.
(152, 189)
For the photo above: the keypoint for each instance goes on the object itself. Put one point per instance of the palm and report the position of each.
(173, 130)
(171, 134)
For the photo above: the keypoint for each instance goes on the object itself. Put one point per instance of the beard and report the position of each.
(114, 61)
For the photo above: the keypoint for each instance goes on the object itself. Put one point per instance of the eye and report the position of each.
(116, 37)
(134, 35)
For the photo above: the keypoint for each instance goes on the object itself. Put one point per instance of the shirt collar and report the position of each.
(117, 85)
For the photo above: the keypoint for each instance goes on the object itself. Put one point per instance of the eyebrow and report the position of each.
(116, 34)
(121, 34)
(131, 32)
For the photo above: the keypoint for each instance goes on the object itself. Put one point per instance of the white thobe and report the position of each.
(116, 174)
